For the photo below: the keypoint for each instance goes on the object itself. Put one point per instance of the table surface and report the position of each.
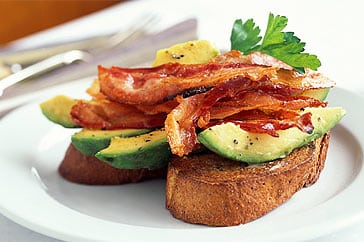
(332, 29)
(31, 12)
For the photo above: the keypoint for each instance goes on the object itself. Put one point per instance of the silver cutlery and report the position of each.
(140, 52)
(43, 66)
(84, 53)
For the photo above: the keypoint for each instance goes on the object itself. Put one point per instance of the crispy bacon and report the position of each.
(104, 114)
(257, 58)
(165, 107)
(311, 79)
(250, 100)
(181, 122)
(180, 125)
(148, 86)
(258, 121)
(228, 100)
(257, 92)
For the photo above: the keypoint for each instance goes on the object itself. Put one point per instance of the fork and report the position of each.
(68, 57)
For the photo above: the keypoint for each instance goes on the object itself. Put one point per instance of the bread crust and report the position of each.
(89, 170)
(207, 189)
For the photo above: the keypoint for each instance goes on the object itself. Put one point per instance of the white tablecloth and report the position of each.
(332, 29)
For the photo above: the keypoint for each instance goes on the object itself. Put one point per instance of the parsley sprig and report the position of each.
(285, 46)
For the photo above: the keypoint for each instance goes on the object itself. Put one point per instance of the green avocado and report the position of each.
(89, 142)
(230, 141)
(319, 94)
(149, 150)
(58, 110)
(191, 52)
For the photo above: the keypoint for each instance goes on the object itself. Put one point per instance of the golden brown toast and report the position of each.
(208, 189)
(83, 169)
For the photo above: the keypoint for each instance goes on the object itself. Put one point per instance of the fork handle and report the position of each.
(43, 66)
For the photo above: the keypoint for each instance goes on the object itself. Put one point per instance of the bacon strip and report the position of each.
(256, 92)
(180, 125)
(258, 121)
(256, 58)
(181, 122)
(165, 107)
(103, 114)
(250, 100)
(148, 86)
(199, 109)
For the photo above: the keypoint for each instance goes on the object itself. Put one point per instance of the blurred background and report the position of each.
(20, 18)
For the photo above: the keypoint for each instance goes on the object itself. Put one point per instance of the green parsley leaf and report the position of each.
(244, 36)
(273, 34)
(284, 46)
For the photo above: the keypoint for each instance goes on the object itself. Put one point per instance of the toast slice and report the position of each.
(89, 170)
(208, 189)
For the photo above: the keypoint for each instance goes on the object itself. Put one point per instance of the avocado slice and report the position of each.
(319, 94)
(89, 142)
(229, 140)
(191, 52)
(149, 150)
(58, 110)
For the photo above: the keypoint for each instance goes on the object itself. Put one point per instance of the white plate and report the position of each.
(33, 194)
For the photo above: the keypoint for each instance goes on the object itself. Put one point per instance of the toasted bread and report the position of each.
(83, 169)
(207, 189)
